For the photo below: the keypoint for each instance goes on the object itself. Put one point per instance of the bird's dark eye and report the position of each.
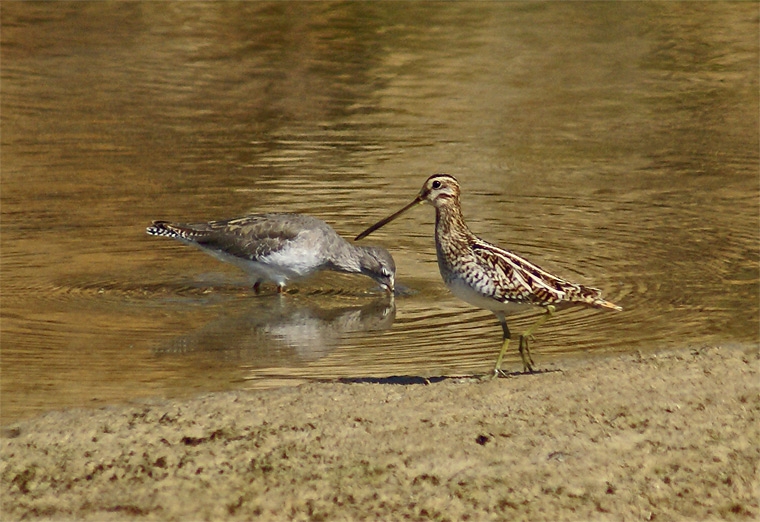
(436, 184)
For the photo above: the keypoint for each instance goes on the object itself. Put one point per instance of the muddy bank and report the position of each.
(673, 436)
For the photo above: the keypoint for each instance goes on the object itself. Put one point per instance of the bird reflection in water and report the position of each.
(272, 331)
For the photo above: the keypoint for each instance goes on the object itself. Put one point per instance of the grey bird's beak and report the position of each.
(417, 201)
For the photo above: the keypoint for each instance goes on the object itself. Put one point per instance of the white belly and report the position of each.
(466, 293)
(279, 267)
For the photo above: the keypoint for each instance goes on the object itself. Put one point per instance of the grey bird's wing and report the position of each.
(251, 237)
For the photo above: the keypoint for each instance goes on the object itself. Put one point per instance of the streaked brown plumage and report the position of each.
(490, 277)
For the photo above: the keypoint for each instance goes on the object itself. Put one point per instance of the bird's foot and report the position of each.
(497, 371)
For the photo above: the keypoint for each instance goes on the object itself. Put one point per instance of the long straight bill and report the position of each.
(390, 218)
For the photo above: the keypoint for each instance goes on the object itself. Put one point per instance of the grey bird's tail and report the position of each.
(168, 229)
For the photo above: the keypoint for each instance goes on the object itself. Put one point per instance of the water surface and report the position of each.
(614, 144)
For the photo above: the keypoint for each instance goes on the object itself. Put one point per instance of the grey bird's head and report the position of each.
(377, 263)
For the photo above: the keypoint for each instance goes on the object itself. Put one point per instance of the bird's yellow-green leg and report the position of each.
(507, 336)
(524, 349)
(527, 360)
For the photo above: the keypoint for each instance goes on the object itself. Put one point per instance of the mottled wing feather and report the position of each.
(251, 237)
(518, 280)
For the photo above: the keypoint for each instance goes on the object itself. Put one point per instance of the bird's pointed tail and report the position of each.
(173, 230)
(598, 302)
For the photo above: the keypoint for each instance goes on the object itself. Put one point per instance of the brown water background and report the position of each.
(615, 144)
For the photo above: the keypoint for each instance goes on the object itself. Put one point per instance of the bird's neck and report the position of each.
(346, 257)
(451, 232)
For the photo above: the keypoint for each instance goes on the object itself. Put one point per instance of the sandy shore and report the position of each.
(672, 436)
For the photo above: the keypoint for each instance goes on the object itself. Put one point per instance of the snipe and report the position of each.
(490, 277)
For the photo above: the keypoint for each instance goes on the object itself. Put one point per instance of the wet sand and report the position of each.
(669, 436)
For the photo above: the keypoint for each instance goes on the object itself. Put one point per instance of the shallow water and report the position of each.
(614, 144)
